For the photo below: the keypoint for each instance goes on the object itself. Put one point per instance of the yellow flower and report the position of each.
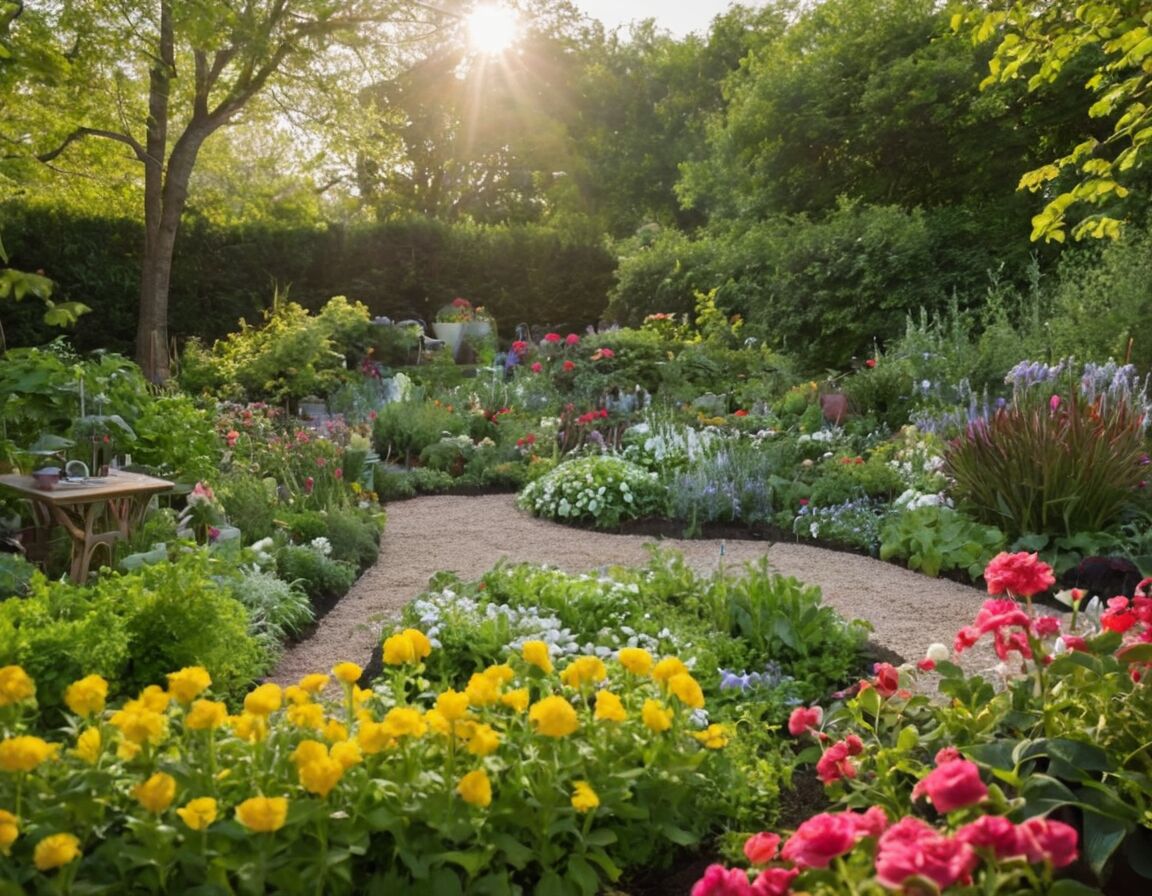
(264, 700)
(655, 716)
(263, 814)
(516, 700)
(335, 730)
(156, 794)
(347, 753)
(420, 643)
(138, 723)
(349, 673)
(668, 667)
(24, 753)
(205, 715)
(249, 727)
(189, 683)
(584, 798)
(609, 708)
(404, 721)
(89, 745)
(475, 788)
(482, 690)
(501, 674)
(553, 717)
(373, 737)
(714, 737)
(198, 813)
(308, 751)
(314, 683)
(321, 775)
(56, 850)
(86, 697)
(636, 660)
(9, 830)
(296, 695)
(437, 722)
(537, 653)
(484, 740)
(584, 670)
(452, 705)
(306, 715)
(127, 750)
(15, 685)
(154, 698)
(687, 690)
(399, 651)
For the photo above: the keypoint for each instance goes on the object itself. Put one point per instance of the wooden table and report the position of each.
(94, 512)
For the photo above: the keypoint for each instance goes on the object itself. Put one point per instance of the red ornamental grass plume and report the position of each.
(1021, 574)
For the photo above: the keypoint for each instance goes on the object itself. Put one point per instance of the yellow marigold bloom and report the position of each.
(404, 721)
(421, 646)
(56, 850)
(89, 746)
(349, 673)
(501, 674)
(296, 695)
(9, 830)
(553, 717)
(399, 651)
(668, 667)
(306, 715)
(636, 660)
(655, 716)
(538, 654)
(584, 670)
(373, 737)
(475, 788)
(335, 730)
(308, 751)
(86, 697)
(347, 753)
(264, 700)
(584, 798)
(127, 750)
(687, 690)
(714, 737)
(189, 683)
(263, 814)
(609, 708)
(154, 698)
(483, 740)
(314, 683)
(437, 722)
(138, 723)
(198, 813)
(361, 695)
(321, 775)
(516, 700)
(15, 685)
(249, 727)
(452, 705)
(156, 794)
(482, 690)
(205, 715)
(24, 753)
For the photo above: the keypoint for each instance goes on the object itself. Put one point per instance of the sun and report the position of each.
(492, 29)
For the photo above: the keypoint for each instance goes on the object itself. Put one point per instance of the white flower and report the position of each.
(321, 546)
(937, 652)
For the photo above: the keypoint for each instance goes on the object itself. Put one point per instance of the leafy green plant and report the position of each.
(932, 540)
(177, 438)
(326, 580)
(277, 609)
(601, 489)
(405, 428)
(354, 536)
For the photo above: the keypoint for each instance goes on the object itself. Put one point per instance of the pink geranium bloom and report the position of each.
(821, 839)
(952, 785)
(569, 366)
(520, 347)
(994, 833)
(552, 338)
(231, 438)
(537, 367)
(887, 680)
(571, 339)
(834, 764)
(1021, 574)
(762, 848)
(1044, 840)
(911, 849)
(804, 718)
(774, 881)
(721, 881)
(996, 614)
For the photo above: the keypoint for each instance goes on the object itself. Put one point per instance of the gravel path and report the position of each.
(467, 535)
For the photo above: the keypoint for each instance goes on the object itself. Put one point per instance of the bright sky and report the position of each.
(677, 16)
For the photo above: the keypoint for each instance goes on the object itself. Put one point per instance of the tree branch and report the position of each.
(81, 133)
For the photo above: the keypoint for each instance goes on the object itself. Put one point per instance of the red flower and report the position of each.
(774, 881)
(952, 785)
(309, 482)
(871, 362)
(537, 367)
(994, 833)
(1045, 840)
(461, 303)
(887, 680)
(1021, 574)
(721, 881)
(569, 366)
(926, 665)
(231, 438)
(552, 337)
(761, 848)
(338, 473)
(520, 347)
(835, 764)
(571, 339)
(740, 413)
(821, 839)
(803, 719)
(912, 849)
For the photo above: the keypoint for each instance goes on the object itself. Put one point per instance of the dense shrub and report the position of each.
(326, 580)
(598, 489)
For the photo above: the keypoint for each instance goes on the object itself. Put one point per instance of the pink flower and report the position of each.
(947, 754)
(371, 415)
(774, 881)
(871, 823)
(952, 785)
(520, 347)
(309, 482)
(804, 718)
(996, 614)
(537, 367)
(834, 764)
(994, 833)
(552, 338)
(1044, 840)
(912, 849)
(461, 303)
(854, 745)
(820, 839)
(1021, 574)
(926, 665)
(965, 638)
(571, 339)
(231, 438)
(321, 462)
(1054, 402)
(721, 881)
(761, 848)
(338, 472)
(887, 680)
(569, 366)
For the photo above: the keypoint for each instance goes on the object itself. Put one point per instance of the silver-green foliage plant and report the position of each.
(278, 609)
(597, 489)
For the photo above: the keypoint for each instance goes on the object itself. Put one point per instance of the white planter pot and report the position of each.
(453, 334)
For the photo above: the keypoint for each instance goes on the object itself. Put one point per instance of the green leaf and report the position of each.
(1069, 887)
(678, 835)
(551, 884)
(583, 875)
(444, 882)
(998, 754)
(517, 854)
(470, 860)
(908, 739)
(1102, 836)
(601, 837)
